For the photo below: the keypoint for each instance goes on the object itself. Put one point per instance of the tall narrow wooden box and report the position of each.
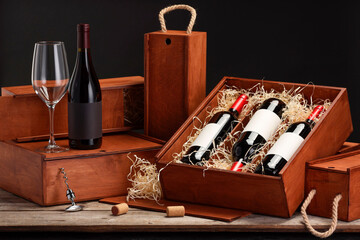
(331, 176)
(175, 79)
(93, 174)
(270, 195)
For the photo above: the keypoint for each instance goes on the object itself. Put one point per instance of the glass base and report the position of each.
(53, 149)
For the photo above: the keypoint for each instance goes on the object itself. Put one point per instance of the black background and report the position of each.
(293, 41)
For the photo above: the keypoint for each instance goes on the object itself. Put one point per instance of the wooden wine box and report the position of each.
(25, 117)
(92, 174)
(270, 195)
(331, 176)
(175, 79)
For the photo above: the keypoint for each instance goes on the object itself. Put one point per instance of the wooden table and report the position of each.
(17, 214)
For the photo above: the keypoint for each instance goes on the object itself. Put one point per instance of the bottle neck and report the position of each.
(315, 114)
(238, 105)
(275, 105)
(83, 47)
(83, 40)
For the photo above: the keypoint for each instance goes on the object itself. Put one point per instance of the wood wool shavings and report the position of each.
(297, 109)
(144, 178)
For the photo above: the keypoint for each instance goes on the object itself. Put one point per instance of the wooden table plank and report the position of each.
(17, 214)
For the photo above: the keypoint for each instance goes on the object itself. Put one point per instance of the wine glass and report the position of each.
(50, 80)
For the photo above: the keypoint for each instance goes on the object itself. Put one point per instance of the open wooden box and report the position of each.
(331, 176)
(92, 174)
(278, 196)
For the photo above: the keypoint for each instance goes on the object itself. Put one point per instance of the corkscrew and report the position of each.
(70, 195)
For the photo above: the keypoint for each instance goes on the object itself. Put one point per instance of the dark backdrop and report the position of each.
(294, 41)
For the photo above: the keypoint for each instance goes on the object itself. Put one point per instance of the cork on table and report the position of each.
(17, 214)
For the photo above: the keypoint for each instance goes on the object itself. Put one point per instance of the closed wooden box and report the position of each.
(331, 176)
(270, 195)
(25, 117)
(175, 79)
(93, 174)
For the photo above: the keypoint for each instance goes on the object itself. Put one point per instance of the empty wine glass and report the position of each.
(50, 79)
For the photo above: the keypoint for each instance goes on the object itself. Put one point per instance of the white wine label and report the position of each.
(286, 145)
(263, 122)
(207, 135)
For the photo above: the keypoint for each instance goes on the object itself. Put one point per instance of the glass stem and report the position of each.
(51, 117)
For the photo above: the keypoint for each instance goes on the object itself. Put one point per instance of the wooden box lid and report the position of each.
(112, 144)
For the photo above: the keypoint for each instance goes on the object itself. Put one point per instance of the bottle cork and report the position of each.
(119, 209)
(175, 211)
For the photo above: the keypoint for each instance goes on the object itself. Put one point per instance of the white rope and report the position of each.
(333, 217)
(174, 7)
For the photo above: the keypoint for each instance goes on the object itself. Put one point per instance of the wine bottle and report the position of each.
(219, 126)
(84, 98)
(259, 129)
(287, 144)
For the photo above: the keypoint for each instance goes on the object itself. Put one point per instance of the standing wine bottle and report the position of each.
(261, 126)
(219, 126)
(84, 99)
(287, 144)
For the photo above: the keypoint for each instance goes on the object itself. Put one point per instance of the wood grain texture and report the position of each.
(175, 79)
(281, 195)
(348, 147)
(17, 214)
(327, 185)
(92, 174)
(21, 172)
(19, 103)
(334, 175)
(216, 213)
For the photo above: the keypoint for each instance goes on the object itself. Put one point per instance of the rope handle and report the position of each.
(333, 217)
(174, 7)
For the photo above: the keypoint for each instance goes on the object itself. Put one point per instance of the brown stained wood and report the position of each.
(92, 174)
(17, 214)
(106, 84)
(327, 186)
(354, 193)
(25, 116)
(21, 172)
(90, 178)
(222, 214)
(218, 188)
(334, 175)
(175, 79)
(348, 147)
(341, 164)
(112, 144)
(223, 189)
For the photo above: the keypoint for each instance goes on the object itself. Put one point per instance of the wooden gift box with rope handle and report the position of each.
(270, 195)
(175, 75)
(334, 179)
(92, 174)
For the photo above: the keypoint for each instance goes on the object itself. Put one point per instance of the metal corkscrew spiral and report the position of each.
(70, 195)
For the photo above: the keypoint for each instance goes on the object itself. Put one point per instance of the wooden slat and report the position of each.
(222, 214)
(19, 215)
